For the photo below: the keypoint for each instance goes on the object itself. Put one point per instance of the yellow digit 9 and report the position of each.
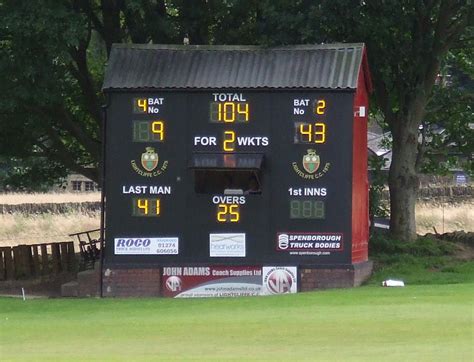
(142, 103)
(320, 106)
(229, 141)
(319, 133)
(158, 128)
(143, 205)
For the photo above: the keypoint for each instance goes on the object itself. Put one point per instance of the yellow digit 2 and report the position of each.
(222, 213)
(320, 106)
(229, 141)
(142, 103)
(158, 128)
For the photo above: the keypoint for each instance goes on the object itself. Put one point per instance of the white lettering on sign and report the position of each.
(155, 101)
(300, 102)
(252, 141)
(307, 191)
(228, 97)
(205, 141)
(154, 190)
(228, 200)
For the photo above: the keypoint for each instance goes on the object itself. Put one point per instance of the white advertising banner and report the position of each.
(279, 280)
(227, 245)
(146, 246)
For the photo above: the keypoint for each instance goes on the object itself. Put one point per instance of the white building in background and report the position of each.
(79, 183)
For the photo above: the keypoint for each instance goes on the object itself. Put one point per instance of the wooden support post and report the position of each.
(9, 266)
(71, 256)
(36, 260)
(2, 265)
(64, 259)
(28, 260)
(44, 260)
(56, 259)
(18, 261)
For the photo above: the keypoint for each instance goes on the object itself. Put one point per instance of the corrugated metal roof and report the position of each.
(333, 66)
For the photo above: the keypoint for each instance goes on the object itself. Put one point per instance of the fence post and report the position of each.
(36, 262)
(9, 267)
(44, 259)
(64, 256)
(56, 259)
(2, 266)
(71, 256)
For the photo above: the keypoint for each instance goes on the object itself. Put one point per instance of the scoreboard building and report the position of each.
(235, 170)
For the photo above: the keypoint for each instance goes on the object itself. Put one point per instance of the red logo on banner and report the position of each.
(279, 281)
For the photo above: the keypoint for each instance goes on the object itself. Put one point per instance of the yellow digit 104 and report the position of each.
(228, 213)
(229, 112)
(310, 133)
(158, 129)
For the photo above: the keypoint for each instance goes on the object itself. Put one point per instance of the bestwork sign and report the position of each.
(223, 281)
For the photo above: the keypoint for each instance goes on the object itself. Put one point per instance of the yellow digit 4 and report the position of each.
(143, 205)
(243, 109)
(142, 103)
(307, 131)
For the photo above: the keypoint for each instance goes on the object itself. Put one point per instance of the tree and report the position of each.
(52, 59)
(406, 45)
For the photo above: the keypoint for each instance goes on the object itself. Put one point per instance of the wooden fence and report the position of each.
(26, 261)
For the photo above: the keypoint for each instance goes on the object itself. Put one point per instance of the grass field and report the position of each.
(416, 323)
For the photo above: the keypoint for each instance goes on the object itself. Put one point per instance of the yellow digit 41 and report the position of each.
(143, 205)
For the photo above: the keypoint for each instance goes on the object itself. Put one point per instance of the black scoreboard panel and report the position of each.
(229, 177)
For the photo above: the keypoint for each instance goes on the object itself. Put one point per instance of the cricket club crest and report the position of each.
(149, 159)
(311, 161)
(149, 162)
(312, 168)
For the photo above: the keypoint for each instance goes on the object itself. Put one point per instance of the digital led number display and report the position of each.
(307, 209)
(228, 213)
(148, 131)
(149, 207)
(310, 132)
(229, 112)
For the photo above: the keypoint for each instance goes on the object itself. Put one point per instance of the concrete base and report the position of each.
(324, 277)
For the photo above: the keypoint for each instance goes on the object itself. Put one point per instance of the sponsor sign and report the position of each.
(279, 280)
(146, 246)
(296, 243)
(227, 245)
(227, 281)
